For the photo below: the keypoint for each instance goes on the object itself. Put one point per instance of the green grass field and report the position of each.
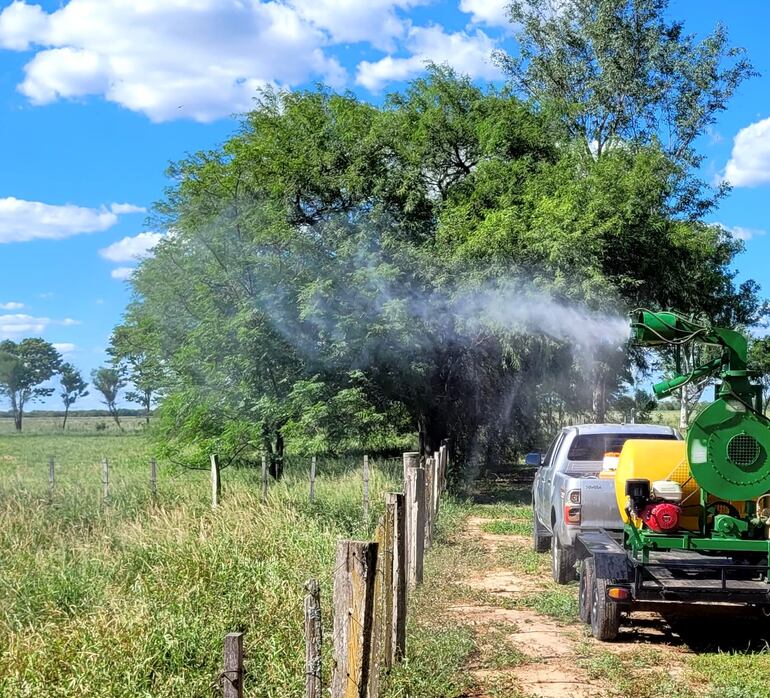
(132, 597)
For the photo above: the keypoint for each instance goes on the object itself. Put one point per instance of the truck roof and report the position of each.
(622, 429)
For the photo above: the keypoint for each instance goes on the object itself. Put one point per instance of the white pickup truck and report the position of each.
(568, 496)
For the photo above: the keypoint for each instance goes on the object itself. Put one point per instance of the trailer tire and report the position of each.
(562, 562)
(605, 613)
(586, 590)
(541, 541)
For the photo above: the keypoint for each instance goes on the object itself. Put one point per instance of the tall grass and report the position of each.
(133, 598)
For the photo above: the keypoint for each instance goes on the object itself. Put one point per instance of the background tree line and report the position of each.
(29, 367)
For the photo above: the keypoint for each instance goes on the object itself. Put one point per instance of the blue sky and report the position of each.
(98, 96)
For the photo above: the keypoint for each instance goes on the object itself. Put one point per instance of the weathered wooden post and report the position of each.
(428, 502)
(153, 478)
(436, 485)
(232, 676)
(105, 480)
(444, 450)
(354, 577)
(415, 517)
(313, 639)
(264, 478)
(51, 478)
(216, 483)
(312, 478)
(366, 489)
(378, 619)
(394, 647)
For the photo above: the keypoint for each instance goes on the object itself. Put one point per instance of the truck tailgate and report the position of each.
(599, 508)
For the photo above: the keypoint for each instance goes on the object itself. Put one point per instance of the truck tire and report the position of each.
(541, 540)
(605, 613)
(586, 590)
(562, 562)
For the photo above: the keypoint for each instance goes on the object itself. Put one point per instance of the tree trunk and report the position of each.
(17, 419)
(114, 412)
(599, 402)
(66, 412)
(684, 412)
(147, 403)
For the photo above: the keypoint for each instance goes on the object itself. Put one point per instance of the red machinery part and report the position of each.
(662, 517)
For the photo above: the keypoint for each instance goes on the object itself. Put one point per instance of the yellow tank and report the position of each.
(654, 459)
(657, 459)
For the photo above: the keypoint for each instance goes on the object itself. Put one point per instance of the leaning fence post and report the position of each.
(312, 478)
(313, 639)
(51, 478)
(105, 479)
(354, 576)
(153, 478)
(415, 517)
(366, 489)
(216, 482)
(395, 579)
(232, 676)
(264, 478)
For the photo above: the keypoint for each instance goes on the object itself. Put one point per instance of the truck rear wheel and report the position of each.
(562, 562)
(541, 541)
(605, 613)
(586, 590)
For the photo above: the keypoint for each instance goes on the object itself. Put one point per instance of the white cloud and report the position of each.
(64, 347)
(19, 324)
(131, 249)
(122, 273)
(22, 220)
(21, 24)
(11, 305)
(122, 209)
(350, 21)
(200, 59)
(749, 163)
(741, 232)
(491, 12)
(467, 53)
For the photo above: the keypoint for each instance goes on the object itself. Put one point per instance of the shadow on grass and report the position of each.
(501, 489)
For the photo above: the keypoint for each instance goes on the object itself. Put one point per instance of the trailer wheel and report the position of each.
(586, 590)
(605, 613)
(562, 562)
(541, 541)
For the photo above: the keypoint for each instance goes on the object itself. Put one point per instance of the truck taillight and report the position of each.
(571, 515)
(573, 496)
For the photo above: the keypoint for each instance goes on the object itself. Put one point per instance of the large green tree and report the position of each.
(434, 260)
(24, 367)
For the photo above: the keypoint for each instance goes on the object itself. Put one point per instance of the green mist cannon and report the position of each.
(728, 444)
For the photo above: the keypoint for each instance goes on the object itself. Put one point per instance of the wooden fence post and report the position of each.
(366, 489)
(313, 639)
(264, 478)
(415, 517)
(51, 478)
(232, 676)
(443, 452)
(216, 482)
(378, 615)
(312, 478)
(428, 502)
(394, 647)
(436, 485)
(354, 576)
(153, 478)
(105, 480)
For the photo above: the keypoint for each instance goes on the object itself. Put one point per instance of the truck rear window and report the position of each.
(592, 447)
